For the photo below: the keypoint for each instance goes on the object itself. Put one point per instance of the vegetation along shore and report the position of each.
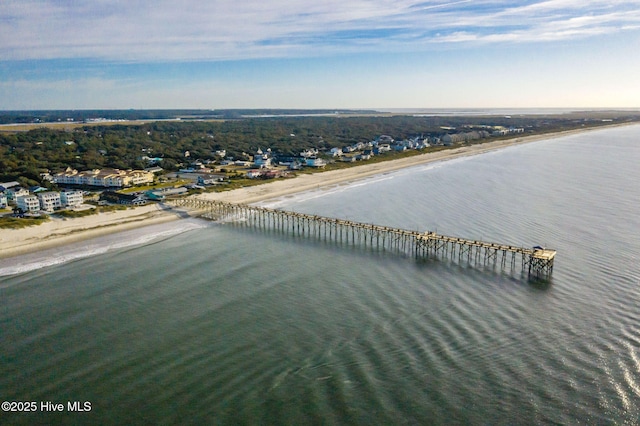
(284, 155)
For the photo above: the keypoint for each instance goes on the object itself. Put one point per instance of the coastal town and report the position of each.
(60, 185)
(71, 189)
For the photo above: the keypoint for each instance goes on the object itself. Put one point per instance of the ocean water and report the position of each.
(196, 322)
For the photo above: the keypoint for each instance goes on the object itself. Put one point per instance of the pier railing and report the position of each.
(535, 262)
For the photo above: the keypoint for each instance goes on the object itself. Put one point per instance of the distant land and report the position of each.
(103, 115)
(92, 115)
(37, 144)
(108, 160)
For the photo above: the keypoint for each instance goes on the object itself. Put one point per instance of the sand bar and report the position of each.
(14, 242)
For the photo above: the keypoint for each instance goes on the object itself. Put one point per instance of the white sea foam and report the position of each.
(96, 246)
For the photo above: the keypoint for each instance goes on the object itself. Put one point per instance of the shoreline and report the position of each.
(307, 182)
(60, 232)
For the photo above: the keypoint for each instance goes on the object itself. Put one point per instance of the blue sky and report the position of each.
(57, 54)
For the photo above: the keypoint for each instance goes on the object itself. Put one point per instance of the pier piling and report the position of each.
(536, 262)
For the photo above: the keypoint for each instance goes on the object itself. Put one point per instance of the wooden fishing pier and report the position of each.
(536, 262)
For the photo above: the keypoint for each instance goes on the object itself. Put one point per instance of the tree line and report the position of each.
(26, 155)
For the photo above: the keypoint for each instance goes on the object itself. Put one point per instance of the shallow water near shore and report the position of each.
(219, 324)
(95, 246)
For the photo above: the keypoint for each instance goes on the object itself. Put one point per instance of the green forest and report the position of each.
(26, 154)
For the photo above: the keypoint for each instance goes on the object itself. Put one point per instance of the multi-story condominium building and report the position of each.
(49, 201)
(139, 177)
(28, 203)
(71, 198)
(110, 178)
(15, 192)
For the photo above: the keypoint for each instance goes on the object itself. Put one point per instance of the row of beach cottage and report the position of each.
(38, 199)
(263, 161)
(268, 165)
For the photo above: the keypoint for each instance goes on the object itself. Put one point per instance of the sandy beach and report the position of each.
(307, 182)
(57, 232)
(14, 242)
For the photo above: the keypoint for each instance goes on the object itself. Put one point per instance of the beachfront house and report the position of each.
(49, 201)
(422, 143)
(3, 200)
(381, 148)
(162, 194)
(273, 174)
(126, 199)
(252, 174)
(28, 203)
(210, 179)
(315, 162)
(262, 159)
(501, 131)
(15, 192)
(70, 198)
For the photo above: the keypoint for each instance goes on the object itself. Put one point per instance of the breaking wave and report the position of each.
(68, 253)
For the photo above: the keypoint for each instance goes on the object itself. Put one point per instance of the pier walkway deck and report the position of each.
(536, 262)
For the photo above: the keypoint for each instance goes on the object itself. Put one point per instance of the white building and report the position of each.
(261, 159)
(71, 198)
(49, 201)
(105, 177)
(314, 162)
(6, 185)
(28, 203)
(382, 147)
(15, 192)
(309, 153)
(336, 152)
(3, 200)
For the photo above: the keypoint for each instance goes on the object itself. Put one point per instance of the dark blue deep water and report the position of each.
(214, 324)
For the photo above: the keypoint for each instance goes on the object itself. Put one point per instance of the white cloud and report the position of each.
(135, 30)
